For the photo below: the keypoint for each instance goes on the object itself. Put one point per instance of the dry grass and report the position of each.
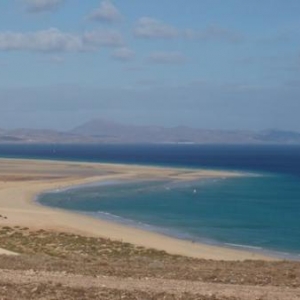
(52, 251)
(58, 292)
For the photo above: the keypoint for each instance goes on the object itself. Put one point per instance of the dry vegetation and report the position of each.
(56, 291)
(89, 257)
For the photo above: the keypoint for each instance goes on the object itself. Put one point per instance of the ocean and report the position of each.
(261, 212)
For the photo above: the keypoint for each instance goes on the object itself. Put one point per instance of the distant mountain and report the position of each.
(115, 132)
(39, 136)
(279, 136)
(123, 133)
(102, 131)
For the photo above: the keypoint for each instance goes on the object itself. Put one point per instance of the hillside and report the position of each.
(101, 131)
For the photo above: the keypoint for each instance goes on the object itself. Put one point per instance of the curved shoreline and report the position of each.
(167, 232)
(28, 179)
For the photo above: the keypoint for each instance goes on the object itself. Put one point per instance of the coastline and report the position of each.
(23, 180)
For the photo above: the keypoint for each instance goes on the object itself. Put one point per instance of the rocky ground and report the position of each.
(55, 265)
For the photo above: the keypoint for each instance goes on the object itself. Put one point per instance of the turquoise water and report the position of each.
(257, 212)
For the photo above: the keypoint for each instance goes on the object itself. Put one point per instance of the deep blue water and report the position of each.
(278, 159)
(256, 211)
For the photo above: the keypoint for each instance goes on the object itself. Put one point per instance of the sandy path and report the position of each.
(7, 252)
(151, 285)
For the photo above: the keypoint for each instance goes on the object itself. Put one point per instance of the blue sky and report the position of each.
(204, 63)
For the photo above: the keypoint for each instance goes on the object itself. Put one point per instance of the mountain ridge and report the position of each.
(105, 131)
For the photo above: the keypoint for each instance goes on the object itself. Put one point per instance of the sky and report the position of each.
(211, 64)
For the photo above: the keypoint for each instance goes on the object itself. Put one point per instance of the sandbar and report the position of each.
(21, 180)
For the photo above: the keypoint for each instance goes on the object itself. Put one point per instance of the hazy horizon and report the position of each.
(202, 63)
(118, 123)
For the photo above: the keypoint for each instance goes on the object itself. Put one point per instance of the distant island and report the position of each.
(102, 131)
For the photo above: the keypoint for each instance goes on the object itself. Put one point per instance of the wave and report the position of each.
(243, 246)
(176, 233)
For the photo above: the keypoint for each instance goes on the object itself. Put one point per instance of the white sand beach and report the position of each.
(22, 180)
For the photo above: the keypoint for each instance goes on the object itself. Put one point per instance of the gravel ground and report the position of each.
(55, 265)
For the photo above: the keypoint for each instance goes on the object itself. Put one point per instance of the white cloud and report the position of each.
(152, 28)
(123, 54)
(156, 29)
(166, 58)
(42, 5)
(104, 38)
(45, 40)
(56, 59)
(53, 59)
(213, 32)
(106, 12)
(54, 40)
